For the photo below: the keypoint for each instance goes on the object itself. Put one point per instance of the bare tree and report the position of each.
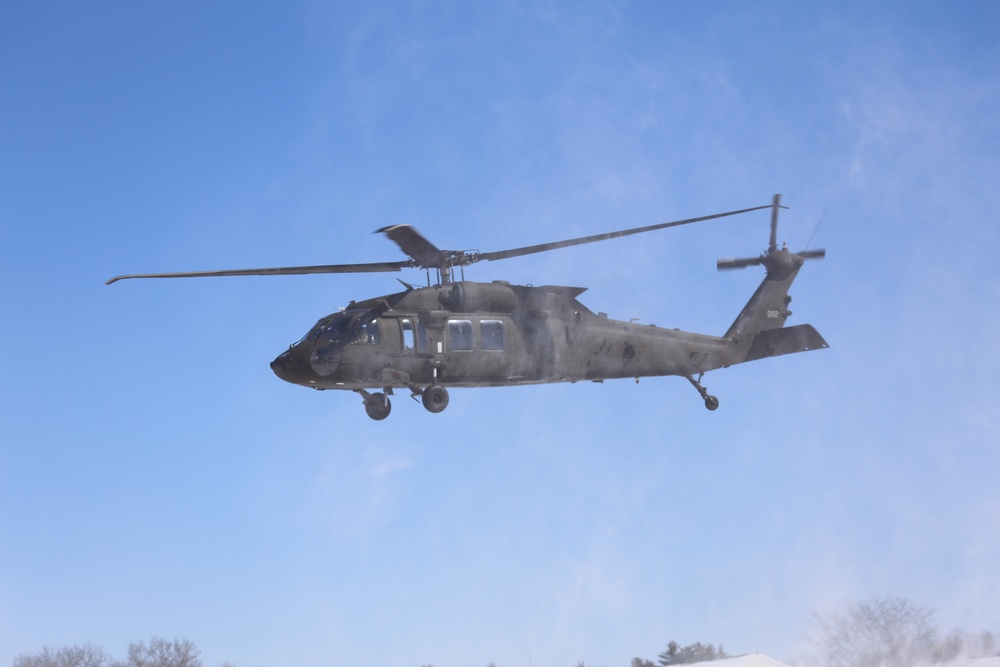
(880, 632)
(157, 653)
(84, 655)
(163, 653)
(960, 644)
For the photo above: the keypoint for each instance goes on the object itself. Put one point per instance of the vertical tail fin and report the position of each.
(759, 331)
(767, 308)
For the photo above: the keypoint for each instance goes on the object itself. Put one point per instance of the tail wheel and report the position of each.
(435, 398)
(378, 406)
(711, 402)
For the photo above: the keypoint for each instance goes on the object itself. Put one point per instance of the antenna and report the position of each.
(815, 229)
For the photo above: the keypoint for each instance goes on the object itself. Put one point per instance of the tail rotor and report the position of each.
(777, 262)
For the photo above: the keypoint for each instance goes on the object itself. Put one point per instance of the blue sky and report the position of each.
(157, 479)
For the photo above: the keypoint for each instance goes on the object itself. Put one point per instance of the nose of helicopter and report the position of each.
(300, 366)
(280, 366)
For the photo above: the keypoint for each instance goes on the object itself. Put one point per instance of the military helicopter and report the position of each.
(459, 333)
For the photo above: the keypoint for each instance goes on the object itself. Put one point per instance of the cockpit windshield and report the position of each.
(357, 328)
(335, 330)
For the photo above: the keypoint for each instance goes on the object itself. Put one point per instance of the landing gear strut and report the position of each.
(711, 402)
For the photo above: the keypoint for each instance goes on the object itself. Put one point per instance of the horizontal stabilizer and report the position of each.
(776, 342)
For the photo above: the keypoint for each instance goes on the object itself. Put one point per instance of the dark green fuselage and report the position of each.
(470, 334)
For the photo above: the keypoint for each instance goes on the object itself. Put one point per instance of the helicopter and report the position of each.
(459, 333)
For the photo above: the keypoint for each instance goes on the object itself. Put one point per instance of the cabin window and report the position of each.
(491, 334)
(407, 325)
(460, 333)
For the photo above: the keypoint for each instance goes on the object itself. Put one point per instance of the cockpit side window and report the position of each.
(407, 328)
(369, 335)
(423, 340)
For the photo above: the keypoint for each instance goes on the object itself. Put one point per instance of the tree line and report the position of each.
(675, 654)
(158, 652)
(878, 632)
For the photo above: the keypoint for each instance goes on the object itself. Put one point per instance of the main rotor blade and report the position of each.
(416, 246)
(543, 247)
(374, 267)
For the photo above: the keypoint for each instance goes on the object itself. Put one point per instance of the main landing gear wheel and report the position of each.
(435, 398)
(378, 406)
(711, 402)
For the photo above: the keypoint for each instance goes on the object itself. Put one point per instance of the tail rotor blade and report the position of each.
(734, 263)
(774, 222)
